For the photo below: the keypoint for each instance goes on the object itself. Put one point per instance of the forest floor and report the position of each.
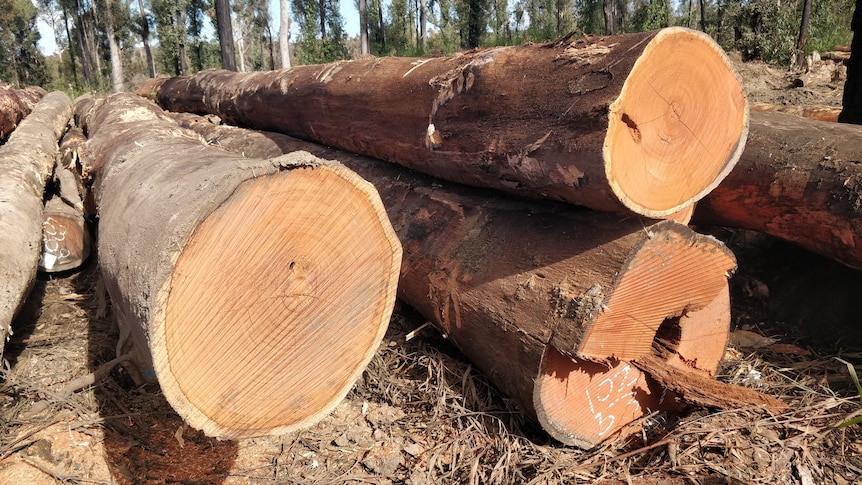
(421, 414)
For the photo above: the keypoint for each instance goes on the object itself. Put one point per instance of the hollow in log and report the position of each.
(26, 160)
(646, 122)
(255, 291)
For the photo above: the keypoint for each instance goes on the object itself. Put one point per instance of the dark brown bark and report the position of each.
(363, 27)
(529, 291)
(26, 161)
(799, 180)
(12, 110)
(571, 121)
(803, 27)
(256, 291)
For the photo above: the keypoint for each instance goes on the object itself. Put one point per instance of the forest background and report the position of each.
(107, 45)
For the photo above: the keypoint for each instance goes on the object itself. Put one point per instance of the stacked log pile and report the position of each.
(239, 270)
(587, 318)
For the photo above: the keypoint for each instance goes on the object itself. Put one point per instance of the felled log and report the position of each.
(255, 291)
(26, 160)
(553, 303)
(645, 122)
(15, 104)
(812, 112)
(799, 180)
(65, 237)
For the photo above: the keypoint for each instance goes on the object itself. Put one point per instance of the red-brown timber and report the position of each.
(255, 290)
(646, 122)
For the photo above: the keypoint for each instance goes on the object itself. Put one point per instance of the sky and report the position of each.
(349, 13)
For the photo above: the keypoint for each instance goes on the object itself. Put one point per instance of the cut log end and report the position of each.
(681, 271)
(584, 400)
(65, 242)
(678, 126)
(252, 305)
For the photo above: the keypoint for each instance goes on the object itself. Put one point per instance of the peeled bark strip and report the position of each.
(26, 161)
(647, 122)
(257, 290)
(799, 180)
(551, 302)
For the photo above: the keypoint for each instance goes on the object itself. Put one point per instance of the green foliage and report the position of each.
(591, 16)
(651, 15)
(321, 37)
(852, 370)
(20, 60)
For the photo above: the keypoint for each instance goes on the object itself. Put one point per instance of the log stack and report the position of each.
(560, 307)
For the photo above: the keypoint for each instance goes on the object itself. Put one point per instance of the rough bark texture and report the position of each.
(799, 180)
(255, 291)
(512, 283)
(15, 104)
(26, 161)
(612, 123)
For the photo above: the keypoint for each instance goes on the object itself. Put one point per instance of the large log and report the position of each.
(255, 291)
(551, 302)
(799, 180)
(645, 122)
(26, 161)
(65, 236)
(15, 104)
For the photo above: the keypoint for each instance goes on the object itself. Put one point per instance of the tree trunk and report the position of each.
(423, 23)
(117, 81)
(225, 34)
(182, 54)
(608, 9)
(71, 47)
(145, 38)
(798, 180)
(580, 122)
(284, 35)
(702, 16)
(803, 28)
(65, 238)
(86, 56)
(541, 295)
(26, 160)
(322, 11)
(382, 25)
(852, 98)
(255, 291)
(363, 28)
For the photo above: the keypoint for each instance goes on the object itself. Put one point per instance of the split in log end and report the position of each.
(678, 126)
(277, 303)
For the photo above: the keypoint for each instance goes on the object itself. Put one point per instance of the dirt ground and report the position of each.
(421, 414)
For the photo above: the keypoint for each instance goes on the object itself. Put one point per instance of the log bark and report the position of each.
(645, 122)
(551, 302)
(255, 291)
(26, 161)
(812, 112)
(799, 180)
(15, 104)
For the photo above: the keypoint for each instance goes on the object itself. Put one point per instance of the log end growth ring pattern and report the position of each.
(277, 303)
(678, 126)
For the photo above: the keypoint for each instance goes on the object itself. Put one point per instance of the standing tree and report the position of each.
(225, 34)
(20, 59)
(117, 81)
(803, 28)
(284, 34)
(363, 27)
(143, 29)
(321, 31)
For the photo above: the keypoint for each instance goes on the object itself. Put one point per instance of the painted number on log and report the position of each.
(613, 396)
(53, 247)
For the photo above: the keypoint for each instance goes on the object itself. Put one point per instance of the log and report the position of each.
(812, 112)
(65, 237)
(551, 302)
(799, 180)
(26, 161)
(646, 122)
(255, 291)
(12, 108)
